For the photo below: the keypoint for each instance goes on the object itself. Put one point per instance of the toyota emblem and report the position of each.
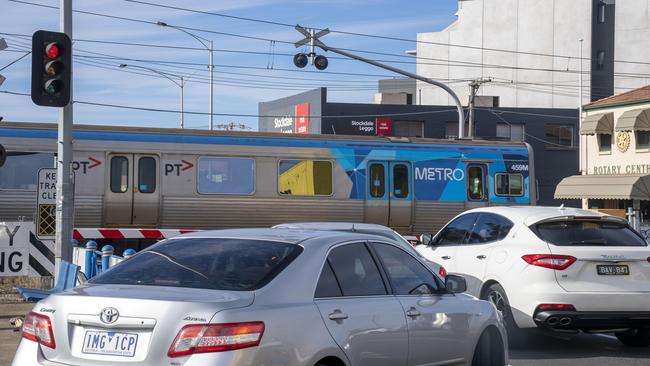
(109, 315)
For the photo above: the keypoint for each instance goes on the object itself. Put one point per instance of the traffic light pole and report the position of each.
(64, 183)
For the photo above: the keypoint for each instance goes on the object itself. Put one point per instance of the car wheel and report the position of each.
(497, 296)
(635, 337)
(489, 350)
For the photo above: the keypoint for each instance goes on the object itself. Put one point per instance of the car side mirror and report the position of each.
(426, 239)
(455, 284)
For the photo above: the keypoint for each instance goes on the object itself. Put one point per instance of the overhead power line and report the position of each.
(392, 38)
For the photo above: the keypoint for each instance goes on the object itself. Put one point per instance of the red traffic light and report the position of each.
(52, 50)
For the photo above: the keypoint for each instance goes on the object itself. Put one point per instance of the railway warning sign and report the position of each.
(46, 204)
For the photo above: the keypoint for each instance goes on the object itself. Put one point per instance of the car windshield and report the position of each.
(208, 263)
(588, 233)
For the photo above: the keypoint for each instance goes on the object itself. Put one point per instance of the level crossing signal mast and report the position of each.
(51, 68)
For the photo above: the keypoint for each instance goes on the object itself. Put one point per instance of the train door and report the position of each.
(389, 197)
(477, 185)
(132, 195)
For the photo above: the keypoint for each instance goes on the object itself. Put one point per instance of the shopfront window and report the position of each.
(604, 143)
(643, 140)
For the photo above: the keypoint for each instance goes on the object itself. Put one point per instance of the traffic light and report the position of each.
(51, 68)
(3, 155)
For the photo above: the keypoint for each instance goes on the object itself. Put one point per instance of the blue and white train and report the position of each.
(195, 179)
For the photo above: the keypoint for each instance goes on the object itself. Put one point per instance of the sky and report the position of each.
(241, 79)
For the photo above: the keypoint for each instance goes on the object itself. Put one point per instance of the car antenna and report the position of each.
(562, 206)
(353, 228)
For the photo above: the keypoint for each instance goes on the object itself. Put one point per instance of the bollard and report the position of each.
(128, 253)
(91, 264)
(107, 253)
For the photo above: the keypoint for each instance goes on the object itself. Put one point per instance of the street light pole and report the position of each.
(180, 85)
(210, 66)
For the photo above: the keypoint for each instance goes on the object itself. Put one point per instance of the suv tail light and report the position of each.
(38, 328)
(558, 262)
(202, 338)
(648, 259)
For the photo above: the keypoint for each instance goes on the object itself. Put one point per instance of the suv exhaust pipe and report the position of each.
(552, 321)
(566, 321)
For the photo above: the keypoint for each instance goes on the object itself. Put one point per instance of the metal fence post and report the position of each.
(107, 253)
(91, 263)
(128, 253)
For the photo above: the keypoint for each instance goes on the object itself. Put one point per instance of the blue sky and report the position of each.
(237, 90)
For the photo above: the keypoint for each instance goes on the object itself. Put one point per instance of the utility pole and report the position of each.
(311, 38)
(64, 182)
(211, 87)
(474, 85)
(581, 40)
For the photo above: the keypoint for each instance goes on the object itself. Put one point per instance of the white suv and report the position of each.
(562, 269)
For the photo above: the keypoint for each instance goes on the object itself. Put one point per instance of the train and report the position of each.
(136, 177)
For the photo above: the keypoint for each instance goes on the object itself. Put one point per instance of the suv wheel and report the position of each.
(635, 337)
(497, 296)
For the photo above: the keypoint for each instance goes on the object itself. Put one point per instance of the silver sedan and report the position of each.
(266, 297)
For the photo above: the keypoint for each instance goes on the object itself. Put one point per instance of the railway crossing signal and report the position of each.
(311, 38)
(51, 68)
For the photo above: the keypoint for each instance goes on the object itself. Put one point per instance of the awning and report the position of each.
(598, 123)
(634, 120)
(614, 187)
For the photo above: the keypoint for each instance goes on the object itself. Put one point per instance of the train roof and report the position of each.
(271, 135)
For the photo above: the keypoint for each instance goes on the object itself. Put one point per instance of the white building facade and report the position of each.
(530, 50)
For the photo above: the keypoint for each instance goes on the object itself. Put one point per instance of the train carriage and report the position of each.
(195, 179)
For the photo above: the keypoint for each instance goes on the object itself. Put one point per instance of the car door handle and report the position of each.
(338, 315)
(481, 256)
(445, 257)
(413, 312)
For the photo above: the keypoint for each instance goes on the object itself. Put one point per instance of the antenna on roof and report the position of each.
(562, 206)
(353, 229)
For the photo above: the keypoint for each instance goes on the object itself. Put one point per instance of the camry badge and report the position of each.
(109, 315)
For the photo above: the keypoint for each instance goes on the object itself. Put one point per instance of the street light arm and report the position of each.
(459, 106)
(157, 72)
(200, 39)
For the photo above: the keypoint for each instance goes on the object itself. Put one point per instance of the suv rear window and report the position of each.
(588, 233)
(207, 263)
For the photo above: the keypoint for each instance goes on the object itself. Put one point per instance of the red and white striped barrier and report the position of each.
(83, 234)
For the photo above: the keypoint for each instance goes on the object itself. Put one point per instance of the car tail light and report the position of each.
(442, 272)
(543, 307)
(202, 338)
(559, 262)
(648, 259)
(38, 328)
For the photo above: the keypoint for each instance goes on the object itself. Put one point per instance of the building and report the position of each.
(531, 51)
(614, 156)
(552, 133)
(396, 91)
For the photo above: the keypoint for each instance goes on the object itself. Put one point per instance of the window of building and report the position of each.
(305, 177)
(20, 170)
(147, 175)
(600, 59)
(511, 131)
(356, 271)
(558, 136)
(604, 143)
(221, 175)
(509, 185)
(601, 12)
(409, 128)
(119, 174)
(642, 140)
(451, 130)
(409, 98)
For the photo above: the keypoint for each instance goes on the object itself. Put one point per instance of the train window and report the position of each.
(305, 177)
(221, 175)
(475, 183)
(377, 180)
(20, 170)
(119, 174)
(509, 184)
(147, 175)
(400, 181)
